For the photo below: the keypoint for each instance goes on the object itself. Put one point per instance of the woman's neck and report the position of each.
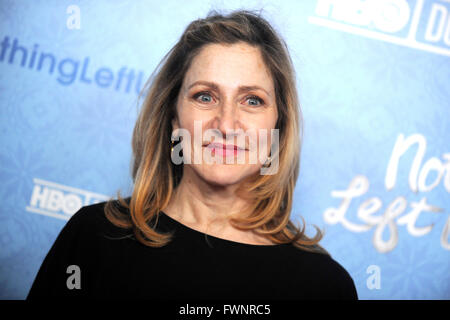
(206, 208)
(198, 202)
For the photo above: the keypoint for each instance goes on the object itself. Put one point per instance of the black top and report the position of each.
(113, 264)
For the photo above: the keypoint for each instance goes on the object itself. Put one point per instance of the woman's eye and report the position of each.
(255, 101)
(204, 97)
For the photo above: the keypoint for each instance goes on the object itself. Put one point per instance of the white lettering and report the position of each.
(74, 280)
(358, 186)
(437, 11)
(444, 236)
(374, 281)
(55, 200)
(391, 217)
(39, 196)
(400, 147)
(432, 164)
(74, 20)
(410, 219)
(390, 15)
(386, 15)
(395, 209)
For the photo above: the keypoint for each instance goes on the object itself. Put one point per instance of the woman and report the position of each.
(208, 226)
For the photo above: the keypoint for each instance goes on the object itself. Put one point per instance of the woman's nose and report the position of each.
(228, 117)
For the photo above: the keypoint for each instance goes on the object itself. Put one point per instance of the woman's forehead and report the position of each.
(230, 66)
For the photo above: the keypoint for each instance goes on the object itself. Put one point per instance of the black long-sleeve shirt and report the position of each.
(107, 262)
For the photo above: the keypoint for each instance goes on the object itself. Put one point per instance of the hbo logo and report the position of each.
(55, 200)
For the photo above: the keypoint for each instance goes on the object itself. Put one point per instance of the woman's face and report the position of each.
(229, 92)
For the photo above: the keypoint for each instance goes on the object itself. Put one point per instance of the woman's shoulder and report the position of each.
(91, 219)
(88, 215)
(327, 274)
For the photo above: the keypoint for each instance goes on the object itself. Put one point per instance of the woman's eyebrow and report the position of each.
(206, 83)
(251, 88)
(215, 86)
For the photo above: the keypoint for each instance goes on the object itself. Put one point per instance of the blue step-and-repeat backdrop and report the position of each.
(374, 83)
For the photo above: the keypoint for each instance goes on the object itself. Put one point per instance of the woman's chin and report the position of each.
(226, 174)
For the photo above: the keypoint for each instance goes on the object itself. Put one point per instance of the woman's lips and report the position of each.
(224, 149)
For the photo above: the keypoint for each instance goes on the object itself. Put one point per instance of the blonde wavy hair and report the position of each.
(155, 176)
